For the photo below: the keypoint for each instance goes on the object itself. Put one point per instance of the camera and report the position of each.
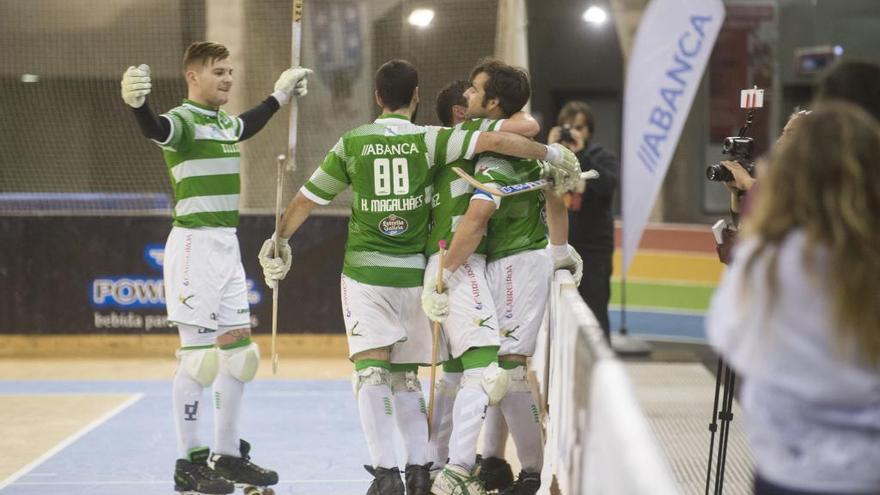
(739, 149)
(565, 135)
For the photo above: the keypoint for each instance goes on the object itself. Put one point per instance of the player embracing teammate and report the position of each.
(391, 165)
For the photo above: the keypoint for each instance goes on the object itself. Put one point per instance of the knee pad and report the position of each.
(200, 363)
(448, 388)
(241, 362)
(519, 379)
(494, 380)
(371, 375)
(405, 381)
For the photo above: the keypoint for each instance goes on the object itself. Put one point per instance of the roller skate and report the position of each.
(418, 479)
(525, 484)
(495, 473)
(253, 479)
(193, 476)
(385, 481)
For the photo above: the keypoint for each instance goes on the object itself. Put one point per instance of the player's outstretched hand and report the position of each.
(275, 269)
(293, 81)
(436, 304)
(136, 85)
(567, 258)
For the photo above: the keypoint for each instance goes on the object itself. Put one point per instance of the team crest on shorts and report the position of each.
(393, 225)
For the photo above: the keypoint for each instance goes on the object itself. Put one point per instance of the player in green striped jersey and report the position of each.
(471, 377)
(205, 286)
(518, 270)
(390, 165)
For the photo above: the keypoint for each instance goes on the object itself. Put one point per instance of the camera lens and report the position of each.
(718, 173)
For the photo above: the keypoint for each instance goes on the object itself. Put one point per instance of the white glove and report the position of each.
(567, 258)
(436, 304)
(275, 269)
(292, 81)
(562, 168)
(136, 85)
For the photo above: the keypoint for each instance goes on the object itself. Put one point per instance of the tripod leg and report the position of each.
(713, 426)
(727, 417)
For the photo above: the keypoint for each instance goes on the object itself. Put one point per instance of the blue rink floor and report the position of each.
(308, 431)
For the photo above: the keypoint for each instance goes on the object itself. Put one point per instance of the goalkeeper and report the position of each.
(205, 288)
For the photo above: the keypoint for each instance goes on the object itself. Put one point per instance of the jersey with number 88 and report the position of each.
(390, 166)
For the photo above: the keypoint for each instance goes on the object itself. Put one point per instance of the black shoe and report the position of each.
(495, 473)
(241, 470)
(194, 475)
(525, 484)
(385, 482)
(418, 479)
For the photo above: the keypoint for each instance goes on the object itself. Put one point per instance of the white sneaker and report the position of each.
(456, 480)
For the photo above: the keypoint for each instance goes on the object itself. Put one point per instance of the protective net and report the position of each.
(71, 146)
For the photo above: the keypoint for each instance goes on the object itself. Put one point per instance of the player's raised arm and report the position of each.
(292, 82)
(136, 85)
(521, 123)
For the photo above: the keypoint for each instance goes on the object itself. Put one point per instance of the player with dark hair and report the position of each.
(389, 164)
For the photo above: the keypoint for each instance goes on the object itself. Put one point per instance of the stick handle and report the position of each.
(435, 342)
(279, 191)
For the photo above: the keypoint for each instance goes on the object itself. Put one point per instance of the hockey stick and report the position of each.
(295, 51)
(279, 190)
(435, 334)
(516, 188)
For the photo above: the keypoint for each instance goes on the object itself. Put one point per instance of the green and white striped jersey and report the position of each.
(390, 166)
(452, 194)
(203, 164)
(520, 223)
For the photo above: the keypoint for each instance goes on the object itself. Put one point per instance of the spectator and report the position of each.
(797, 314)
(591, 221)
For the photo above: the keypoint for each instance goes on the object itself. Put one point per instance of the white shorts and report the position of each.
(521, 287)
(377, 317)
(472, 321)
(205, 285)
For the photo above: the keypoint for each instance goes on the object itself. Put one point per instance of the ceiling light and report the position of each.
(421, 17)
(595, 15)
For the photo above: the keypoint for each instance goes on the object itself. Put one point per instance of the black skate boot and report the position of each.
(418, 479)
(193, 476)
(495, 473)
(385, 482)
(526, 484)
(244, 473)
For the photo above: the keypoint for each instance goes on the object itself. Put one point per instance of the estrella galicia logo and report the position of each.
(393, 225)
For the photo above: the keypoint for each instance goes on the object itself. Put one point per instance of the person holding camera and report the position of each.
(591, 220)
(797, 314)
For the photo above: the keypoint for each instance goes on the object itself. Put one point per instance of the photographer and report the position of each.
(797, 314)
(591, 221)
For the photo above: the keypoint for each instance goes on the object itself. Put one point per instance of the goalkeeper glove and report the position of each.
(292, 81)
(567, 258)
(436, 304)
(562, 168)
(275, 269)
(136, 85)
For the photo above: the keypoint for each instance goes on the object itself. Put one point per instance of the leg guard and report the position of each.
(371, 375)
(242, 361)
(201, 363)
(494, 381)
(406, 381)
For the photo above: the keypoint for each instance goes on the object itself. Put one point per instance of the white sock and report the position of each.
(523, 417)
(411, 417)
(494, 433)
(467, 419)
(186, 397)
(441, 426)
(228, 391)
(375, 410)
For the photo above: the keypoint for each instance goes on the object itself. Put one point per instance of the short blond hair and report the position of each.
(203, 52)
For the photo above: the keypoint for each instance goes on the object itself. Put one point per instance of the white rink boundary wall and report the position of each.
(598, 440)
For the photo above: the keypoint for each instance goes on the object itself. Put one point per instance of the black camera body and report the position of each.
(565, 135)
(739, 149)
